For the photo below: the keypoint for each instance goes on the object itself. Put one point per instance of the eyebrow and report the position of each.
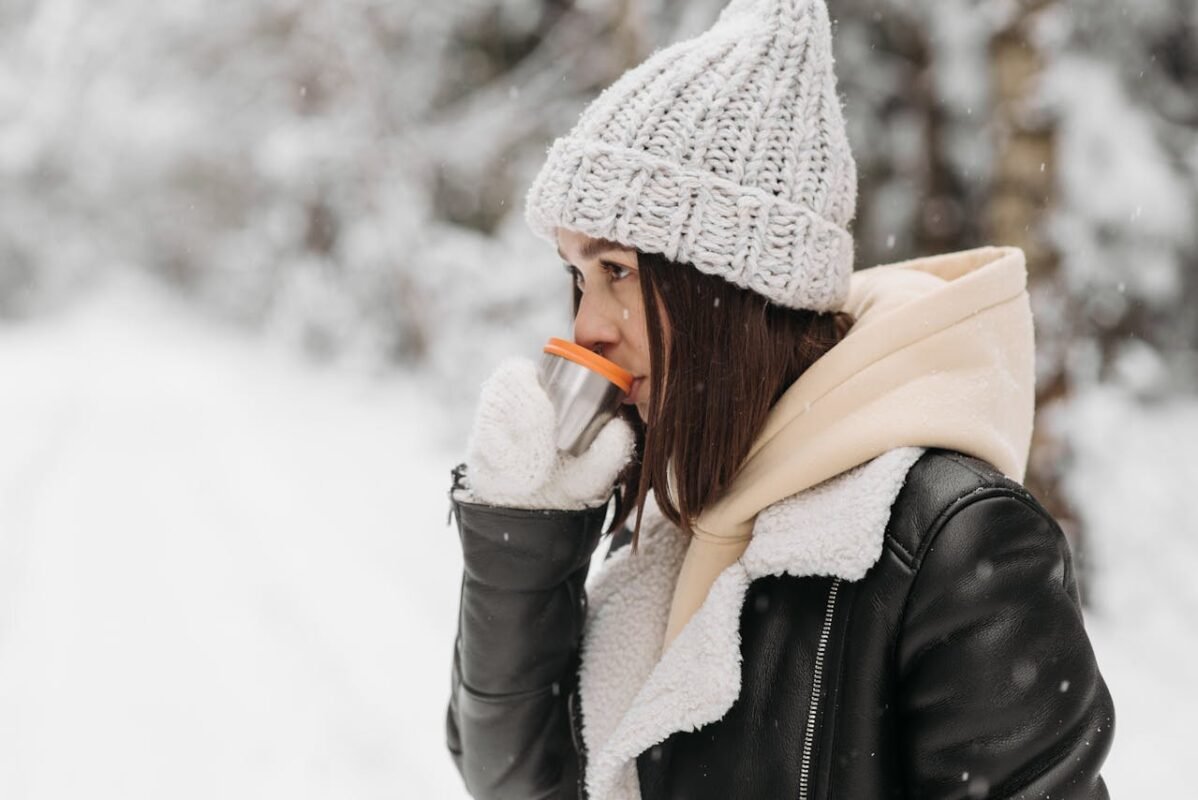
(597, 247)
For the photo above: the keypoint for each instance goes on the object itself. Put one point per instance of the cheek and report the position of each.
(636, 328)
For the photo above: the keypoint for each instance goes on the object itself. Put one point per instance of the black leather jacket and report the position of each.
(958, 667)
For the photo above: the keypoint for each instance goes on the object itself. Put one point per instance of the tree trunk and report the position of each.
(1022, 194)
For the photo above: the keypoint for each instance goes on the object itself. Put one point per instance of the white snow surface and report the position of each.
(223, 572)
(1133, 481)
(226, 572)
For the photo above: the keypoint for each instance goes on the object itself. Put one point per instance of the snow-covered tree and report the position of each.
(350, 173)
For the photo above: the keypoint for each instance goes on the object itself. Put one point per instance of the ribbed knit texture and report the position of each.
(726, 151)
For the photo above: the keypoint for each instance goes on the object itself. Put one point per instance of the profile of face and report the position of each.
(611, 312)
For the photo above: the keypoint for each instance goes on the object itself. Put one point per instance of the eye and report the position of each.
(575, 276)
(615, 272)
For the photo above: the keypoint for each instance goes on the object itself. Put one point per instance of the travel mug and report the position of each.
(586, 391)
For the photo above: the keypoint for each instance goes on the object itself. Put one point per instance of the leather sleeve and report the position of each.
(1000, 695)
(515, 657)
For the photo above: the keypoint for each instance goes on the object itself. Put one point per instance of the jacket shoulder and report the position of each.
(937, 485)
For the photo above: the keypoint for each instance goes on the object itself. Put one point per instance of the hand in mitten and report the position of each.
(511, 458)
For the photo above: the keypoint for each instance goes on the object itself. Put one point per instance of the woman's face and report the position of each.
(611, 313)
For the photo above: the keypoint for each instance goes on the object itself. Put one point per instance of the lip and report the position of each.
(631, 397)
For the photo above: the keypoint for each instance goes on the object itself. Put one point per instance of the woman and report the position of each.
(834, 585)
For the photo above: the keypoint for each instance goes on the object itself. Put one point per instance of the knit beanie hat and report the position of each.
(726, 151)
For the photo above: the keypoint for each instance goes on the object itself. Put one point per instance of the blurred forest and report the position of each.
(349, 175)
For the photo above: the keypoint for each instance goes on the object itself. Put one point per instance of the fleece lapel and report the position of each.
(634, 697)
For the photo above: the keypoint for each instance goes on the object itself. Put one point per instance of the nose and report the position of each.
(595, 327)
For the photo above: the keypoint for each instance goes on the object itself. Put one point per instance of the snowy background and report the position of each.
(255, 260)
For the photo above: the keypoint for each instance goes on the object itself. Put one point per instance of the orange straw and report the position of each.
(591, 360)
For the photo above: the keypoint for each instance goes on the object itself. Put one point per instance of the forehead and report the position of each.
(572, 244)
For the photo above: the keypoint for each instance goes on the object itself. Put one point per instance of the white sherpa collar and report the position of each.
(633, 699)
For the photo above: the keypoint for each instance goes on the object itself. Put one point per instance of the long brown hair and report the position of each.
(719, 358)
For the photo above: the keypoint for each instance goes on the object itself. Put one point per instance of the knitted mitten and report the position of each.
(511, 459)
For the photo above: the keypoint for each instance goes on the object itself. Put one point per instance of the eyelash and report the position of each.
(615, 272)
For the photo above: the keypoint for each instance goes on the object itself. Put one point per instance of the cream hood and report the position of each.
(941, 355)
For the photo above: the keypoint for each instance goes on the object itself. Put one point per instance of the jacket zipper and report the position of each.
(817, 682)
(459, 482)
(576, 736)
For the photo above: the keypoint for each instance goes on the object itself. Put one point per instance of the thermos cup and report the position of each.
(586, 391)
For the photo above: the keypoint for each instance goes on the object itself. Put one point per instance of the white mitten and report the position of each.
(511, 459)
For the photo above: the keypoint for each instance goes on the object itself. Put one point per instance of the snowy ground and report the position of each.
(225, 573)
(1135, 482)
(222, 573)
